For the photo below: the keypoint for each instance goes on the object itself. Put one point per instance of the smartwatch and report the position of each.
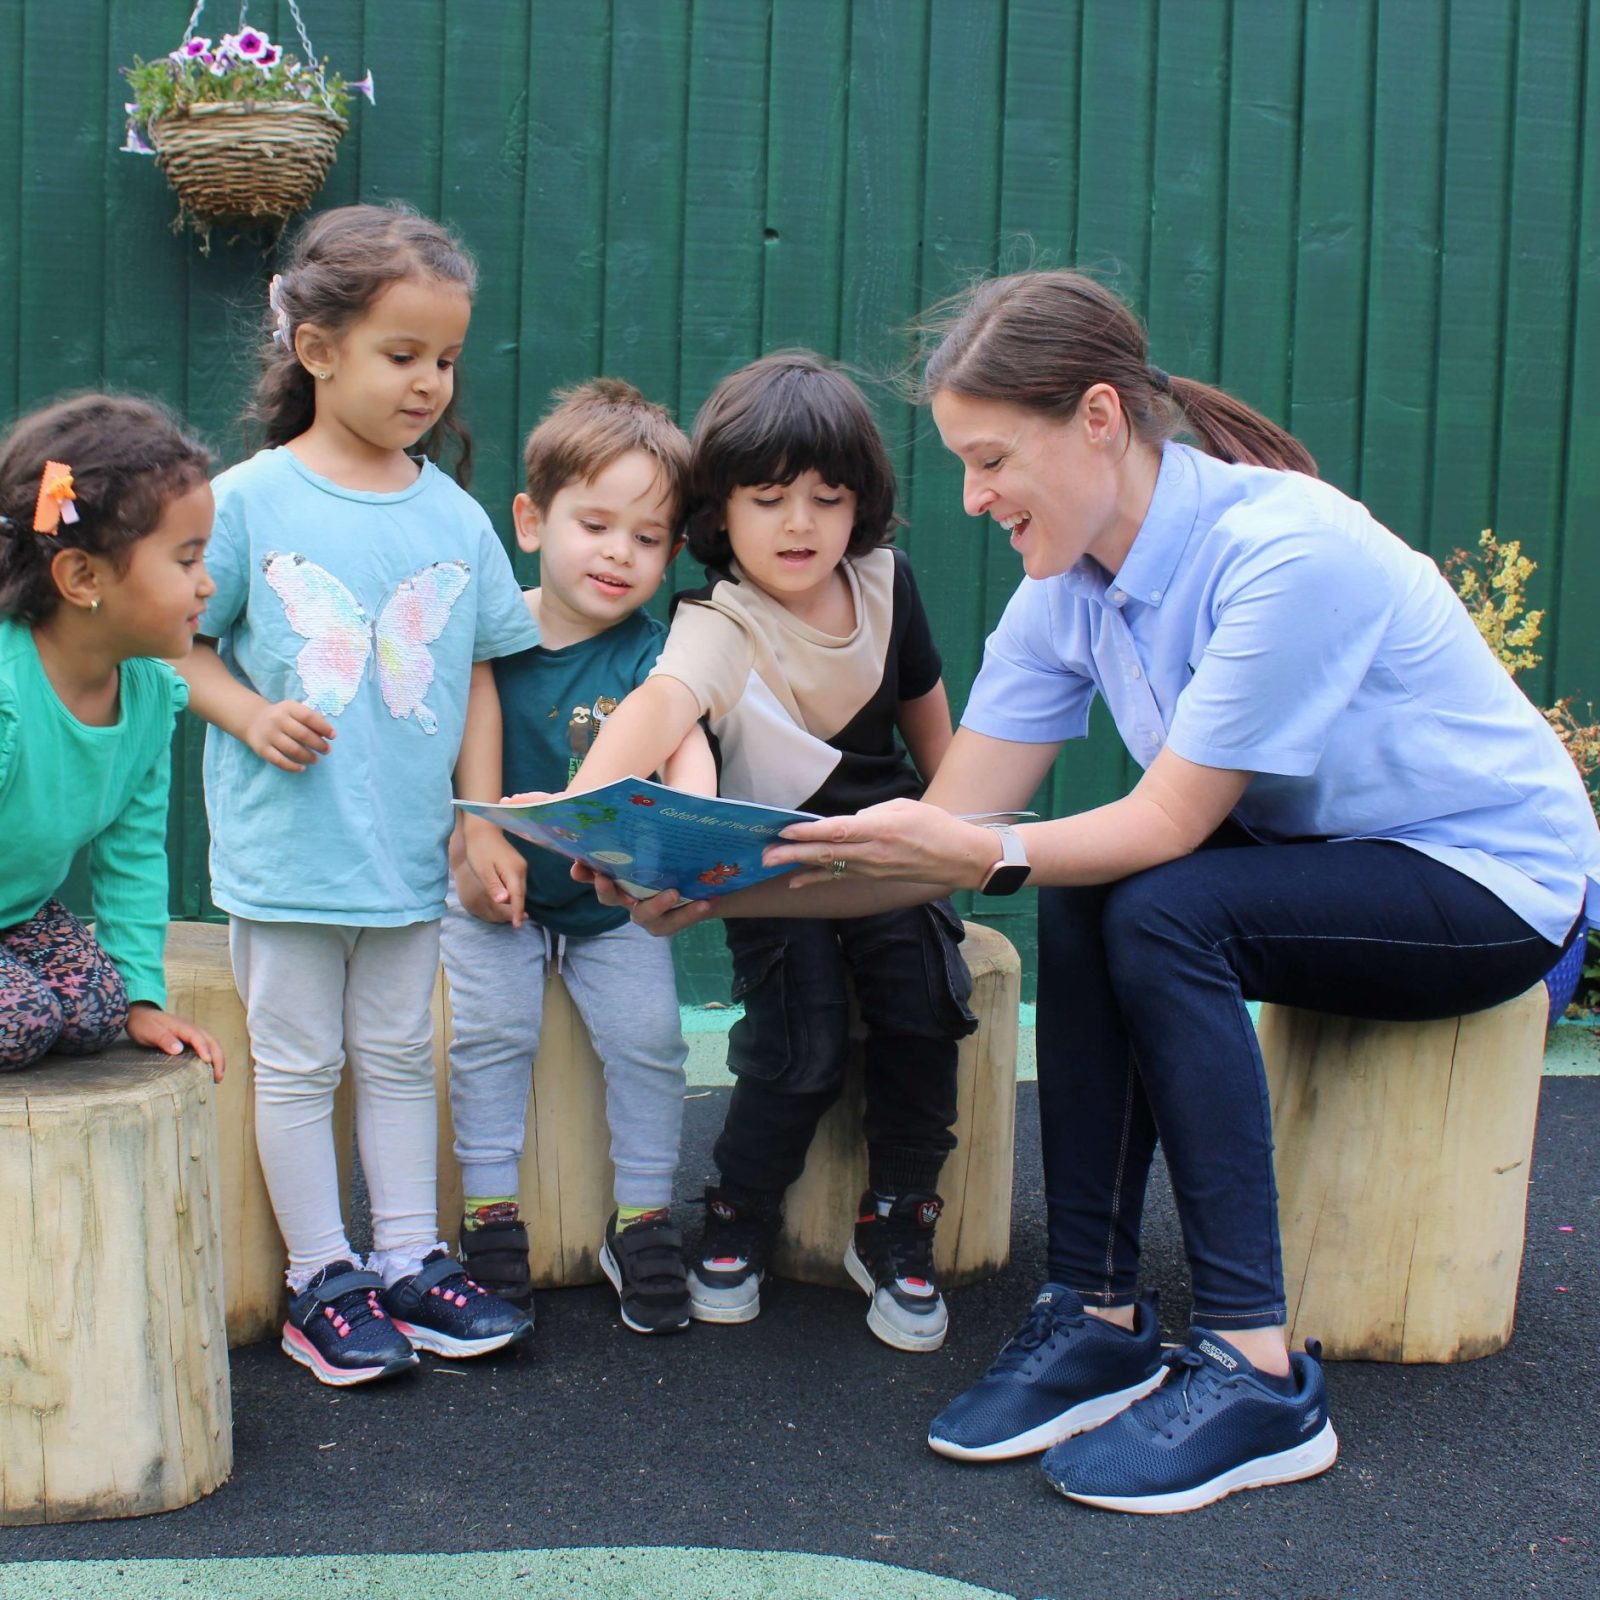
(1011, 871)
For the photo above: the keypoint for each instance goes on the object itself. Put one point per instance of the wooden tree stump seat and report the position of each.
(1403, 1153)
(974, 1237)
(566, 1186)
(114, 1397)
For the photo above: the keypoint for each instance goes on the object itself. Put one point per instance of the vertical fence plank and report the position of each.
(1540, 237)
(1189, 193)
(725, 187)
(1262, 204)
(13, 47)
(643, 261)
(563, 207)
(883, 204)
(483, 181)
(1330, 285)
(1116, 116)
(1402, 269)
(808, 83)
(960, 217)
(1572, 638)
(1472, 229)
(399, 156)
(61, 276)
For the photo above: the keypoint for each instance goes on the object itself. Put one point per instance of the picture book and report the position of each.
(650, 837)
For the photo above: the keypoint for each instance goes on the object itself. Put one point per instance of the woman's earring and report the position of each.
(94, 605)
(323, 376)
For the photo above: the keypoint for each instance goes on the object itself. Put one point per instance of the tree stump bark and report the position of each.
(1403, 1152)
(113, 1350)
(974, 1237)
(566, 1176)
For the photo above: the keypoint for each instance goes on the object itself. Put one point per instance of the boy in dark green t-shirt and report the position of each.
(606, 472)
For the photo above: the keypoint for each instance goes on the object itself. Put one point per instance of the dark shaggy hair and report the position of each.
(785, 414)
(340, 262)
(128, 458)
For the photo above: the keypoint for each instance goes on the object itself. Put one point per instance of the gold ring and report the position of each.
(839, 867)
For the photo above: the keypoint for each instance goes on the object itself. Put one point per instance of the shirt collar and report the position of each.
(1146, 575)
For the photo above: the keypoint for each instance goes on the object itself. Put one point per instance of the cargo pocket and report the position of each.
(949, 980)
(759, 1042)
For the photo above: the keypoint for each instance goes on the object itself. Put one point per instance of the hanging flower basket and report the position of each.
(244, 131)
(247, 164)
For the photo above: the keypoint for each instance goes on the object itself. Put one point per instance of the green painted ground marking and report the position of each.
(621, 1573)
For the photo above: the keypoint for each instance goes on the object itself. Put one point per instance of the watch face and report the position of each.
(1007, 878)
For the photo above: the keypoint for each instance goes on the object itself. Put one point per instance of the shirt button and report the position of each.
(1117, 597)
(1155, 594)
(1137, 673)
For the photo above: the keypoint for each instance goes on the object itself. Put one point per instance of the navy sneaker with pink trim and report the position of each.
(338, 1328)
(441, 1309)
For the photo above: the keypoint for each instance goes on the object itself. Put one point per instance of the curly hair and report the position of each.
(129, 458)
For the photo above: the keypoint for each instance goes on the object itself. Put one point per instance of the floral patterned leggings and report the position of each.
(58, 989)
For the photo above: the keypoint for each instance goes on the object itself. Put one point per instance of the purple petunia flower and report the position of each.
(192, 50)
(134, 145)
(245, 45)
(271, 56)
(365, 87)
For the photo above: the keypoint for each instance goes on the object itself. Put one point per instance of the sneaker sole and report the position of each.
(1076, 1419)
(608, 1265)
(1287, 1466)
(727, 1313)
(299, 1348)
(444, 1344)
(882, 1327)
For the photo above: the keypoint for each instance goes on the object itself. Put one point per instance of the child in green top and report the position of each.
(606, 474)
(104, 516)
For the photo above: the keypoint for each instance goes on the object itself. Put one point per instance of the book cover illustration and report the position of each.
(650, 837)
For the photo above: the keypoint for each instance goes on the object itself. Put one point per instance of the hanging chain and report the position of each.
(311, 54)
(194, 19)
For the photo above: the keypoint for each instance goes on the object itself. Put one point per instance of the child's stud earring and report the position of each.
(94, 605)
(323, 376)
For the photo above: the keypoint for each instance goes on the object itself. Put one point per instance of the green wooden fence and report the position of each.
(1379, 220)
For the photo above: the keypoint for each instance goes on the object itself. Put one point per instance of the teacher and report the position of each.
(1346, 806)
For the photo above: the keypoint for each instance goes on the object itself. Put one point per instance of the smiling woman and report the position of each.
(1346, 807)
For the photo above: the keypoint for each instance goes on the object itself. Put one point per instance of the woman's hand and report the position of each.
(155, 1029)
(289, 735)
(663, 914)
(901, 839)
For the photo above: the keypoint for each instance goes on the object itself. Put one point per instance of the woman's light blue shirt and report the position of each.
(1265, 622)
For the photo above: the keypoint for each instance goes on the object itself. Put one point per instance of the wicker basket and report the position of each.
(245, 163)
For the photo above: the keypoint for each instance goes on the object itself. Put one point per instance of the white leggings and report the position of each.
(316, 994)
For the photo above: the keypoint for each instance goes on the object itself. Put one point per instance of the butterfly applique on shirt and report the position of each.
(342, 640)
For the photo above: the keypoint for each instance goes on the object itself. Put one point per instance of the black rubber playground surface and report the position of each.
(801, 1433)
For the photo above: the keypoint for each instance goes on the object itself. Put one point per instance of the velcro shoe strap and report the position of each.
(333, 1288)
(435, 1273)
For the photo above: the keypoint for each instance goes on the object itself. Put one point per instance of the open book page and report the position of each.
(650, 837)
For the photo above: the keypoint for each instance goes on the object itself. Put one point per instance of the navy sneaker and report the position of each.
(338, 1328)
(1062, 1371)
(441, 1309)
(725, 1280)
(494, 1249)
(890, 1259)
(1213, 1427)
(644, 1262)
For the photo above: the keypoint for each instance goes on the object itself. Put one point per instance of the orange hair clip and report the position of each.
(54, 505)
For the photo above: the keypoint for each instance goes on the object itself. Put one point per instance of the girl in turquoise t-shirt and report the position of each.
(104, 516)
(359, 592)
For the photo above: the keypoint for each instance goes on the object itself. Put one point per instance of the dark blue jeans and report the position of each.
(790, 1048)
(1142, 1033)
